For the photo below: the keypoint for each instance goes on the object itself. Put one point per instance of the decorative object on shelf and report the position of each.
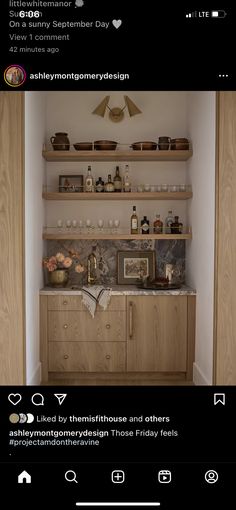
(117, 180)
(164, 143)
(99, 185)
(71, 183)
(145, 225)
(116, 114)
(60, 142)
(179, 144)
(176, 226)
(59, 265)
(135, 266)
(126, 179)
(83, 146)
(144, 146)
(168, 222)
(105, 145)
(89, 181)
(109, 185)
(134, 221)
(157, 225)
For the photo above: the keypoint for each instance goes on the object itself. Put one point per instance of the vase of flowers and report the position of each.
(58, 267)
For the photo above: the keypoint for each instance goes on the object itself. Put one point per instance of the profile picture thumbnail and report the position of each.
(14, 76)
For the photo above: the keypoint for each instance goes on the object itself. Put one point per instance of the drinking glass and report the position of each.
(68, 224)
(110, 224)
(74, 224)
(100, 225)
(116, 223)
(88, 225)
(59, 225)
(81, 224)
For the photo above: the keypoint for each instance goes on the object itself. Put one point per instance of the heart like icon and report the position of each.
(116, 23)
(14, 398)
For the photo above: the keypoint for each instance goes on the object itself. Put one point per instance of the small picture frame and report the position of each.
(71, 183)
(133, 266)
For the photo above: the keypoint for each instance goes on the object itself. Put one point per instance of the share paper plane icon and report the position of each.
(60, 397)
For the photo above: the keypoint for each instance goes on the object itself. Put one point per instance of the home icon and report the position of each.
(24, 477)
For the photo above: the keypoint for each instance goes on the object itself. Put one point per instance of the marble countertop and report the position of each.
(122, 290)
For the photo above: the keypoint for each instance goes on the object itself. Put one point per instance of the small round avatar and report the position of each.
(14, 76)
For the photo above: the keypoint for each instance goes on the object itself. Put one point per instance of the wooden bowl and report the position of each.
(145, 146)
(105, 145)
(83, 146)
(179, 144)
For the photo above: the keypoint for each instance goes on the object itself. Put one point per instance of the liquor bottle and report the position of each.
(118, 180)
(99, 185)
(145, 225)
(168, 222)
(109, 185)
(92, 267)
(126, 179)
(89, 181)
(176, 226)
(157, 225)
(134, 221)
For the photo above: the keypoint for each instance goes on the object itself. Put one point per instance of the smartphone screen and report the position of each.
(117, 207)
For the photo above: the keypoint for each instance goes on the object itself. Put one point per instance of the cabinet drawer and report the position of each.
(87, 356)
(75, 303)
(81, 327)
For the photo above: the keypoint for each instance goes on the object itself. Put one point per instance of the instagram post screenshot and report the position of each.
(117, 255)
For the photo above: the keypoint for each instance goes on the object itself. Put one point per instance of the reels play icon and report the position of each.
(164, 476)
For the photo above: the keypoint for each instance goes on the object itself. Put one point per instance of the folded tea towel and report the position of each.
(96, 295)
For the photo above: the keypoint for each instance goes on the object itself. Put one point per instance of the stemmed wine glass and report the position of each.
(100, 225)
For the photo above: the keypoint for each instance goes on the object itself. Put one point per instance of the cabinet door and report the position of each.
(157, 334)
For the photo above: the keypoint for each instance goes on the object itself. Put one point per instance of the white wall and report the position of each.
(164, 114)
(35, 116)
(201, 214)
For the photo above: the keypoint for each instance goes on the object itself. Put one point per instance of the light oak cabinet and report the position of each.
(137, 337)
(157, 333)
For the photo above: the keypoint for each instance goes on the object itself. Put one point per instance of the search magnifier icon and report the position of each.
(70, 476)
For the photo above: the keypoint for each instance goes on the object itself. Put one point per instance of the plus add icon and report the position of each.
(118, 476)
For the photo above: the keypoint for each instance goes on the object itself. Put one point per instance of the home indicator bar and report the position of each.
(119, 504)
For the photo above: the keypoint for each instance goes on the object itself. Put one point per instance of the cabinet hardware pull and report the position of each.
(130, 319)
(66, 356)
(108, 356)
(108, 326)
(65, 302)
(65, 326)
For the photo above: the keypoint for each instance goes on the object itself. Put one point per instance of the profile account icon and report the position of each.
(14, 75)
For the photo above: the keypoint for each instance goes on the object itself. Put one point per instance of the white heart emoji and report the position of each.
(116, 23)
(14, 398)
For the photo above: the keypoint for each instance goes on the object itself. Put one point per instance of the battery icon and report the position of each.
(218, 14)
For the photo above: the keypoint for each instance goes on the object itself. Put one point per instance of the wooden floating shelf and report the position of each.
(117, 155)
(180, 195)
(114, 237)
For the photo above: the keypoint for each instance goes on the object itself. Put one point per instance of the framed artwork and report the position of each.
(71, 183)
(135, 265)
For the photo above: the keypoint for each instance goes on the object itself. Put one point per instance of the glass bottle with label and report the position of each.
(99, 185)
(157, 225)
(145, 225)
(109, 185)
(168, 222)
(134, 221)
(176, 226)
(117, 180)
(126, 179)
(89, 181)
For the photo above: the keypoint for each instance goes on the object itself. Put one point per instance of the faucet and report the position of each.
(92, 267)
